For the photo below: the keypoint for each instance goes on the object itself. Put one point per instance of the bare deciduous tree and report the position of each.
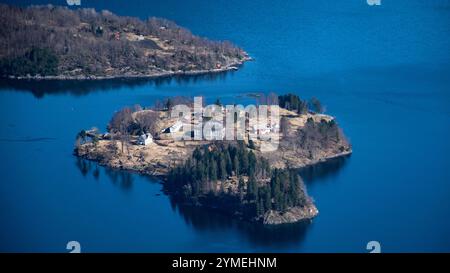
(148, 121)
(120, 123)
(87, 42)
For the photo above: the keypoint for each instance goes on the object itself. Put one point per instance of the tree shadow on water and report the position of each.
(258, 235)
(211, 221)
(274, 237)
(322, 170)
(122, 179)
(41, 88)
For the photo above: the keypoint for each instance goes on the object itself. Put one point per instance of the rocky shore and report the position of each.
(130, 75)
(292, 215)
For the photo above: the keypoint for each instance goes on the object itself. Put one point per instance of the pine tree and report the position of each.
(264, 195)
(229, 164)
(222, 167)
(212, 171)
(243, 154)
(261, 207)
(251, 163)
(241, 187)
(294, 189)
(252, 189)
(197, 154)
(236, 165)
(251, 144)
(169, 104)
(276, 189)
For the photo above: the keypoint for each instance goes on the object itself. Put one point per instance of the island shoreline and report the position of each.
(208, 173)
(162, 179)
(231, 67)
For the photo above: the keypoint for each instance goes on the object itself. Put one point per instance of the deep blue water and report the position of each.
(383, 71)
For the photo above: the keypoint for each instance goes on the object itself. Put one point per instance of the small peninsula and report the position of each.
(55, 42)
(237, 177)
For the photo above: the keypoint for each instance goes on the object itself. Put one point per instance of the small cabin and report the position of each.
(176, 127)
(145, 139)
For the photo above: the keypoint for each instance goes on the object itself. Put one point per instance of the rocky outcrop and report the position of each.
(292, 215)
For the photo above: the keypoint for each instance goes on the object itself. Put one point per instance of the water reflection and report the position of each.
(324, 169)
(26, 139)
(41, 88)
(84, 166)
(258, 235)
(122, 179)
(206, 220)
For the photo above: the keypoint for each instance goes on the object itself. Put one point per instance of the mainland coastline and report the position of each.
(57, 43)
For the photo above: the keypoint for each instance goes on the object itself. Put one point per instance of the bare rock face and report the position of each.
(292, 215)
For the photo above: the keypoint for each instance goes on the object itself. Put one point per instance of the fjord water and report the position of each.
(383, 71)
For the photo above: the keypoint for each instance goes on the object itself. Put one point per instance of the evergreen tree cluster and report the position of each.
(37, 61)
(212, 163)
(285, 190)
(266, 189)
(322, 134)
(293, 102)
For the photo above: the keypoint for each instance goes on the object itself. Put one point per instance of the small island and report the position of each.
(55, 42)
(237, 177)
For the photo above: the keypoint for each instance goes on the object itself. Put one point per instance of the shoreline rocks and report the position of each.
(231, 67)
(291, 215)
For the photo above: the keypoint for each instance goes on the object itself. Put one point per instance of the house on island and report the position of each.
(174, 128)
(145, 139)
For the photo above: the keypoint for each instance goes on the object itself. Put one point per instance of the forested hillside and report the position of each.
(83, 43)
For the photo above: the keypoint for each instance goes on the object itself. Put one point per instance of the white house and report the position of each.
(145, 139)
(176, 127)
